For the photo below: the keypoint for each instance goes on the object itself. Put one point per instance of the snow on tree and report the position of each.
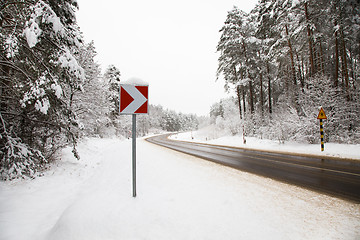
(112, 77)
(91, 105)
(39, 76)
(290, 52)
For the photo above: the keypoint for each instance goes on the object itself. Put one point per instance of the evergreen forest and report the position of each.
(283, 60)
(286, 59)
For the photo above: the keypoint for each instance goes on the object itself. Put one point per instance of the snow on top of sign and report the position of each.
(136, 81)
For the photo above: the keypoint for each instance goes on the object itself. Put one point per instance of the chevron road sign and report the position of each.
(133, 99)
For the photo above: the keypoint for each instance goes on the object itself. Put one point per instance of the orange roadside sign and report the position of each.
(321, 114)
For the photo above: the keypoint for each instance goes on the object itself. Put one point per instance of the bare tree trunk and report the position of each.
(269, 87)
(244, 103)
(291, 55)
(352, 69)
(261, 94)
(238, 93)
(251, 90)
(301, 74)
(311, 54)
(303, 69)
(336, 75)
(344, 60)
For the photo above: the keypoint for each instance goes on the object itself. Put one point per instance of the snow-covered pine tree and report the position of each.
(233, 55)
(91, 105)
(38, 78)
(112, 77)
(297, 46)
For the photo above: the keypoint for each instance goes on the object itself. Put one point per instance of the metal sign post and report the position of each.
(322, 135)
(134, 153)
(134, 100)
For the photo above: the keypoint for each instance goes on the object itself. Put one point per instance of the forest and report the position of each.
(53, 92)
(283, 61)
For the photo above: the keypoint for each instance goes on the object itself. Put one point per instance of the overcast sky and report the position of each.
(169, 44)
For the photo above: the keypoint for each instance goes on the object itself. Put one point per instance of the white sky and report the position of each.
(170, 44)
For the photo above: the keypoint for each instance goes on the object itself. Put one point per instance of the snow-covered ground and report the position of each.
(211, 136)
(179, 197)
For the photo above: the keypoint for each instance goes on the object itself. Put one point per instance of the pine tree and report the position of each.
(112, 77)
(91, 105)
(233, 60)
(297, 46)
(38, 78)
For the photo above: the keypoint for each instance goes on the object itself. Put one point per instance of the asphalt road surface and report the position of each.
(335, 177)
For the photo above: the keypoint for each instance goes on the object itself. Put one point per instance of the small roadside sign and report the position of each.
(321, 114)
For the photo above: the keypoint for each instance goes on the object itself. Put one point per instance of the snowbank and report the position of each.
(179, 197)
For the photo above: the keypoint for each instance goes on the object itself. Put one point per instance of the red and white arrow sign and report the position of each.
(133, 99)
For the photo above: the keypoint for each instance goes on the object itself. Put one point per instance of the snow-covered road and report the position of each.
(179, 197)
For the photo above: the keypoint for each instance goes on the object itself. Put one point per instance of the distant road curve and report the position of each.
(336, 177)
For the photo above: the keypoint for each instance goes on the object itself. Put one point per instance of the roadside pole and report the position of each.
(243, 135)
(134, 153)
(322, 135)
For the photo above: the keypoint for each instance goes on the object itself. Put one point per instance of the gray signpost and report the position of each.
(134, 153)
(133, 101)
